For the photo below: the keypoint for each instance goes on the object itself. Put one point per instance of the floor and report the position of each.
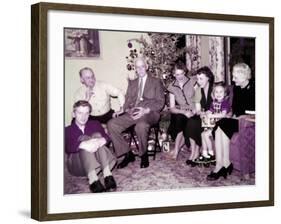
(163, 173)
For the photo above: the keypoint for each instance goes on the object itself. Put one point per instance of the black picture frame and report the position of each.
(39, 108)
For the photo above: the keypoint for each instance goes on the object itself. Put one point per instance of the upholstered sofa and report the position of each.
(242, 147)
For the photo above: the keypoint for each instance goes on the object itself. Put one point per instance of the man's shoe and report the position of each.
(109, 183)
(129, 157)
(144, 161)
(97, 187)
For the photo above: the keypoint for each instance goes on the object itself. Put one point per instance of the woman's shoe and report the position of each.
(190, 163)
(193, 164)
(215, 176)
(229, 169)
(212, 157)
(202, 158)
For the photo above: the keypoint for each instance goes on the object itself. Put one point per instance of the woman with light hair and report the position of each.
(243, 100)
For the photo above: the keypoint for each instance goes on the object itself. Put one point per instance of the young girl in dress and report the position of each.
(220, 108)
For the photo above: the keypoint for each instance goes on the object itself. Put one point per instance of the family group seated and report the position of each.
(204, 117)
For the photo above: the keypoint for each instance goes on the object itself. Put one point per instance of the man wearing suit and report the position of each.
(143, 102)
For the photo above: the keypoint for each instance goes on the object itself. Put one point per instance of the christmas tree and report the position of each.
(162, 51)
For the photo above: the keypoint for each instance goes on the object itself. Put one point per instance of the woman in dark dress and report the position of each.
(202, 99)
(243, 99)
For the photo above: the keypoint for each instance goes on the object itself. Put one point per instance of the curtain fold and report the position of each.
(206, 51)
(216, 58)
(193, 55)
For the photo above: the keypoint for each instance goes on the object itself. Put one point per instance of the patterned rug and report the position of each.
(162, 173)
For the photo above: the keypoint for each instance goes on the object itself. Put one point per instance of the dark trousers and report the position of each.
(117, 125)
(83, 162)
(103, 118)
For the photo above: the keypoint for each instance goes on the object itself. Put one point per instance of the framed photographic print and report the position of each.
(81, 43)
(106, 142)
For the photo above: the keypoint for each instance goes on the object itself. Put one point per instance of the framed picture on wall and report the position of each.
(81, 43)
(88, 50)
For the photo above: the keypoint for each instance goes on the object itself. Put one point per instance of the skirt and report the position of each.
(228, 125)
(177, 125)
(193, 130)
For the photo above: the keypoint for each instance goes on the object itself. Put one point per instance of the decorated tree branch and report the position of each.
(161, 51)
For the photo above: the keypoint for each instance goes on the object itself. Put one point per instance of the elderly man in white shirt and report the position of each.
(98, 94)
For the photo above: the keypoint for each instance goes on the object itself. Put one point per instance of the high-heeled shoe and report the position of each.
(215, 176)
(193, 164)
(229, 169)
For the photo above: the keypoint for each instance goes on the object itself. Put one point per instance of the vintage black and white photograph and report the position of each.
(157, 111)
(163, 111)
(81, 43)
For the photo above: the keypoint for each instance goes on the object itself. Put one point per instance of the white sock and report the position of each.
(205, 154)
(92, 176)
(106, 171)
(211, 152)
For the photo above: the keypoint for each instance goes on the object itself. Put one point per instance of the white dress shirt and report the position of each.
(100, 100)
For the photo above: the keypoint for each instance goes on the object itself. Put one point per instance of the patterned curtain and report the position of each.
(216, 58)
(193, 55)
